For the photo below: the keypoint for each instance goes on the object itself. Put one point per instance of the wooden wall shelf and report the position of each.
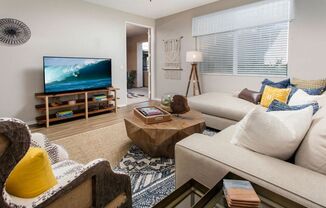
(84, 106)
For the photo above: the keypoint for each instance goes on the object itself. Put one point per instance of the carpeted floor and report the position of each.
(152, 179)
(110, 143)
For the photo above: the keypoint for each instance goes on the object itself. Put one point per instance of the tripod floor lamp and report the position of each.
(194, 57)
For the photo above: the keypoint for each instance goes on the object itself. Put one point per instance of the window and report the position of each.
(218, 53)
(256, 47)
(261, 50)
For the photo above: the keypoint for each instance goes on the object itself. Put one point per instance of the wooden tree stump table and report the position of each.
(159, 139)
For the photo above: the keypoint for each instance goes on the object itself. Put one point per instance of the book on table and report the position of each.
(65, 114)
(240, 193)
(150, 111)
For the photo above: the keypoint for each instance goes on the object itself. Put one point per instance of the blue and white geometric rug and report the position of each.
(152, 179)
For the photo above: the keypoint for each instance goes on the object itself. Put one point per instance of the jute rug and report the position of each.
(110, 143)
(152, 179)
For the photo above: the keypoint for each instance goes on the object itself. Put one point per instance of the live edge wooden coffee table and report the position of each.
(158, 140)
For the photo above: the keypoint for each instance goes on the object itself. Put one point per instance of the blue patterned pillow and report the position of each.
(309, 91)
(279, 106)
(312, 91)
(282, 84)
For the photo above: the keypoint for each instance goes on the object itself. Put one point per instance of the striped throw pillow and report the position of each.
(308, 84)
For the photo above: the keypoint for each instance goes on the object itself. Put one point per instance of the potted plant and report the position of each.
(131, 79)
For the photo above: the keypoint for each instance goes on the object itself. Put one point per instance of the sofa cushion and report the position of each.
(214, 156)
(281, 84)
(218, 122)
(56, 152)
(250, 95)
(299, 83)
(223, 105)
(272, 93)
(300, 97)
(32, 175)
(279, 106)
(312, 152)
(277, 134)
(309, 91)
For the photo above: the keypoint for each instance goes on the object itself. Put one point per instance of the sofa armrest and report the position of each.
(214, 156)
(16, 141)
(98, 184)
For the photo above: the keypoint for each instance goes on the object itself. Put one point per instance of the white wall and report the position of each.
(59, 28)
(307, 44)
(140, 74)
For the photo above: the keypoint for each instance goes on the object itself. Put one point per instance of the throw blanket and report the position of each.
(172, 54)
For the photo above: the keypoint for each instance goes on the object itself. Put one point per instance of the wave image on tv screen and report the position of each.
(74, 74)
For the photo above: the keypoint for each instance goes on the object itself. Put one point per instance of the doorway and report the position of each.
(138, 63)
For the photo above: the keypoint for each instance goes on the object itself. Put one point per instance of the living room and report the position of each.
(234, 94)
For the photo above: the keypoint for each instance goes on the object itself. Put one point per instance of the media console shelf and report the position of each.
(79, 104)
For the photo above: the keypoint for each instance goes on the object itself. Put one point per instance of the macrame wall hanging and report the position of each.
(13, 32)
(172, 50)
(172, 58)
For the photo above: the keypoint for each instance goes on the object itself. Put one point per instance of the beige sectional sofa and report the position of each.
(220, 110)
(208, 159)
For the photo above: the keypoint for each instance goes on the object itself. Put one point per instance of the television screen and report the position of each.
(63, 74)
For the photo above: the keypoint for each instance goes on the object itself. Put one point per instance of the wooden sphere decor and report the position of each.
(179, 104)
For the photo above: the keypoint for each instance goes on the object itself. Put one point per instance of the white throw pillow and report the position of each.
(300, 97)
(322, 101)
(312, 152)
(276, 134)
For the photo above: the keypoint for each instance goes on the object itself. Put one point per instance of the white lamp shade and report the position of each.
(194, 56)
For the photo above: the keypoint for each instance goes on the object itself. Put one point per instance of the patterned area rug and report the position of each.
(152, 179)
(134, 95)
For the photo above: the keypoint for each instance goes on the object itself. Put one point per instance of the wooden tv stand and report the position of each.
(84, 106)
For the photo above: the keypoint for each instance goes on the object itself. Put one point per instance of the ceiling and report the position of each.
(155, 9)
(133, 30)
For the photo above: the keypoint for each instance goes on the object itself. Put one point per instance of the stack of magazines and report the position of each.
(240, 194)
(150, 111)
(65, 114)
(100, 97)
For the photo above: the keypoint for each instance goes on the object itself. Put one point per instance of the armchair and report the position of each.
(90, 185)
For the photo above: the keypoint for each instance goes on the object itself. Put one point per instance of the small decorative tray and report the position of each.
(152, 114)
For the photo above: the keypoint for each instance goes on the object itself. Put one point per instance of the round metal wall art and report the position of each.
(13, 32)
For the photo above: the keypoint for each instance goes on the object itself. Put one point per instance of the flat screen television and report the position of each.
(68, 74)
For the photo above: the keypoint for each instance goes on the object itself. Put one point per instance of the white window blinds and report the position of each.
(217, 53)
(256, 14)
(263, 50)
(258, 46)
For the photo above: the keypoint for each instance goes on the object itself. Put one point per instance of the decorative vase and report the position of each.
(166, 101)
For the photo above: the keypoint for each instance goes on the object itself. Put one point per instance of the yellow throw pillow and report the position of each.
(32, 176)
(272, 93)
